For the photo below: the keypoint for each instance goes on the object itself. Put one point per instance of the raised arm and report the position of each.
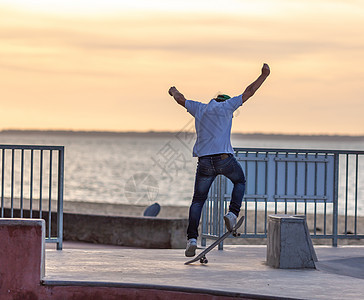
(252, 88)
(177, 96)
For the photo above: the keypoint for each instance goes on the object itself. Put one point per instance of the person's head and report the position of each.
(222, 98)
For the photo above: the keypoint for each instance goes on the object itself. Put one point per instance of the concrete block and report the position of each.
(22, 255)
(289, 245)
(144, 232)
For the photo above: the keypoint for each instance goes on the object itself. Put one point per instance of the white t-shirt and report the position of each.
(213, 125)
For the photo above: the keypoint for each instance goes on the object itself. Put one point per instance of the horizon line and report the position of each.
(73, 131)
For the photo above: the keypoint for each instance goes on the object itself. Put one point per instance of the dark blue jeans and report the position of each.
(208, 168)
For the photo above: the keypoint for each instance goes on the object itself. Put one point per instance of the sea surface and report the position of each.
(133, 168)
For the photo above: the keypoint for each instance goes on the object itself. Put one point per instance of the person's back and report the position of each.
(213, 125)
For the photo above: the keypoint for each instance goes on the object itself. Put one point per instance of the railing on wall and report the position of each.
(32, 182)
(327, 186)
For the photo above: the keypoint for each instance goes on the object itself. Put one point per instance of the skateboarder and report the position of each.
(215, 153)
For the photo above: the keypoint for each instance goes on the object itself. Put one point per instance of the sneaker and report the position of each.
(230, 220)
(191, 248)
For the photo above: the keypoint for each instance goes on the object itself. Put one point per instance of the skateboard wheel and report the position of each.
(203, 260)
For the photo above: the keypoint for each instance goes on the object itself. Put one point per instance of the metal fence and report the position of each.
(327, 186)
(32, 179)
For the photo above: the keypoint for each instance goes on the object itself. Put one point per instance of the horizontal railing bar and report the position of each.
(242, 235)
(247, 196)
(242, 158)
(283, 197)
(281, 150)
(300, 197)
(31, 147)
(52, 240)
(349, 236)
(298, 159)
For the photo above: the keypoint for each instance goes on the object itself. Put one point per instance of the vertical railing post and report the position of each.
(50, 195)
(205, 217)
(2, 182)
(335, 200)
(356, 194)
(215, 213)
(21, 183)
(60, 198)
(40, 183)
(12, 183)
(204, 221)
(221, 192)
(31, 184)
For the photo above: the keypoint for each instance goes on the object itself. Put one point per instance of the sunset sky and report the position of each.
(107, 65)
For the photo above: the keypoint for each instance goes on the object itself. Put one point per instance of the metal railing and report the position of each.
(32, 182)
(327, 186)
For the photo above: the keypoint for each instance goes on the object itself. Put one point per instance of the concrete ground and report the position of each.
(239, 270)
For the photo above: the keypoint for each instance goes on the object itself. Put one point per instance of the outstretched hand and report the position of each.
(172, 90)
(265, 70)
(177, 95)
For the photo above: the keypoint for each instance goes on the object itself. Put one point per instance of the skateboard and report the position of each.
(202, 255)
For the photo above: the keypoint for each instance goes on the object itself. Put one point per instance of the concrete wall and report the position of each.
(143, 232)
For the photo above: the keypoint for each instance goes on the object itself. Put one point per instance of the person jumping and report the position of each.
(215, 154)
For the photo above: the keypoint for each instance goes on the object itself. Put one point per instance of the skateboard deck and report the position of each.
(202, 255)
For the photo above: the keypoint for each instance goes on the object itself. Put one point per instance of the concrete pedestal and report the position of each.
(289, 245)
(21, 257)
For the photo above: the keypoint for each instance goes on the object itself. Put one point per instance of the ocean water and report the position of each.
(143, 169)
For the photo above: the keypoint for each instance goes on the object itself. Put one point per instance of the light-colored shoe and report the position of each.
(230, 220)
(191, 248)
